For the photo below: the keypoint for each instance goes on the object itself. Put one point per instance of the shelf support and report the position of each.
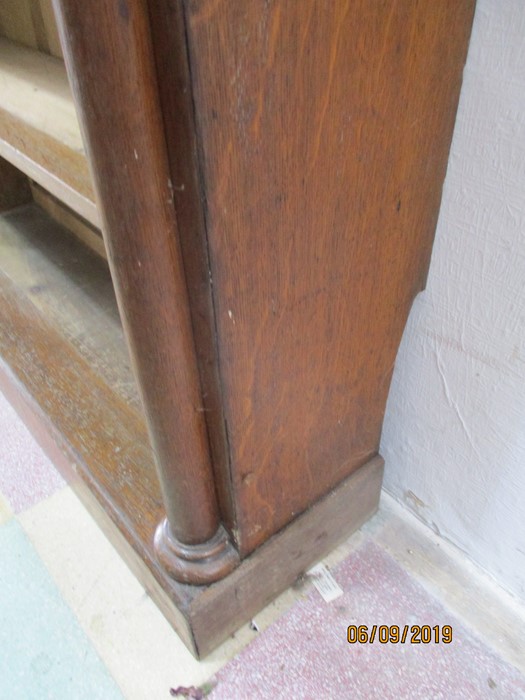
(110, 63)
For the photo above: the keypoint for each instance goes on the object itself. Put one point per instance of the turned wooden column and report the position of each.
(110, 63)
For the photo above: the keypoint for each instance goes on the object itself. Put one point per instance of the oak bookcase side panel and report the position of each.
(325, 130)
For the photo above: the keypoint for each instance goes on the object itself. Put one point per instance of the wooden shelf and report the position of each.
(65, 368)
(62, 341)
(39, 129)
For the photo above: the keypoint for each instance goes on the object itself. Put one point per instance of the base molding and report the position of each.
(198, 564)
(220, 609)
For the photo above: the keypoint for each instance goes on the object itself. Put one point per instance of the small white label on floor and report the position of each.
(325, 583)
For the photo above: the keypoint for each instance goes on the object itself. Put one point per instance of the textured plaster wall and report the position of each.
(454, 432)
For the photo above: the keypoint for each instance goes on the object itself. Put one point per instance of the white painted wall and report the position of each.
(454, 432)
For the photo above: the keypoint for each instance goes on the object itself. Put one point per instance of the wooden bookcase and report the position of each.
(212, 376)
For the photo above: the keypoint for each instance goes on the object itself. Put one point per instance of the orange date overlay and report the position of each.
(393, 634)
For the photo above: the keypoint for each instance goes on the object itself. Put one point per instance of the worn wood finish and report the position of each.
(325, 130)
(14, 187)
(39, 130)
(85, 413)
(128, 154)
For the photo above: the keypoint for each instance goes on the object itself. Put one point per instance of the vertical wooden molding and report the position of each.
(110, 62)
(170, 47)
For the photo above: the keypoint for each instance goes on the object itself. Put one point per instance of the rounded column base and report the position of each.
(197, 564)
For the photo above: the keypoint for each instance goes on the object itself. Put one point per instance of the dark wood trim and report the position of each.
(127, 152)
(169, 40)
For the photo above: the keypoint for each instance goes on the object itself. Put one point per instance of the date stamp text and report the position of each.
(394, 634)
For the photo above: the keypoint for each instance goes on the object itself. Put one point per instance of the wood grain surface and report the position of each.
(324, 130)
